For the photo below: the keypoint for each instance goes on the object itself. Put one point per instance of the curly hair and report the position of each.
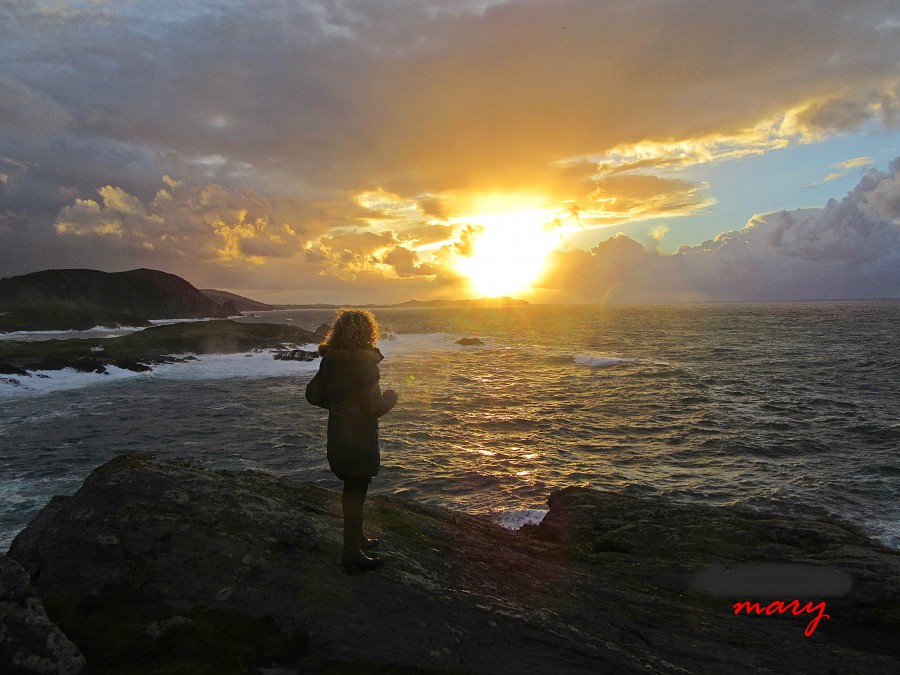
(352, 329)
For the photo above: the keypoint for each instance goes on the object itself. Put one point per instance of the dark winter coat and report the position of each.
(347, 385)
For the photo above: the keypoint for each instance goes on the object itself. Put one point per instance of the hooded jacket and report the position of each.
(349, 386)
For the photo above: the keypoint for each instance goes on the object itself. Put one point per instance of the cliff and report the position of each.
(242, 303)
(160, 566)
(79, 299)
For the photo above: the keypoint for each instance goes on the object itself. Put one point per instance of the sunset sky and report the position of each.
(560, 150)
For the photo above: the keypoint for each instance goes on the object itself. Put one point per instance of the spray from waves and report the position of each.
(515, 519)
(252, 365)
(95, 332)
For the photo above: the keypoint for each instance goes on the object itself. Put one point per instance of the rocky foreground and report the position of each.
(156, 566)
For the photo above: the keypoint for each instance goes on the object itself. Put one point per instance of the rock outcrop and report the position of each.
(29, 641)
(158, 566)
(138, 351)
(470, 342)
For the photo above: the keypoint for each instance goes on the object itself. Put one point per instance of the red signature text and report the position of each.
(779, 607)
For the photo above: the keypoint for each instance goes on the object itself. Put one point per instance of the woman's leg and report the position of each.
(352, 499)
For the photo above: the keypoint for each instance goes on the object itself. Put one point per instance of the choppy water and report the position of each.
(784, 407)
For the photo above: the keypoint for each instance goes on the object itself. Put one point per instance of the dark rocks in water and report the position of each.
(323, 330)
(241, 571)
(472, 341)
(296, 355)
(7, 369)
(134, 366)
(29, 641)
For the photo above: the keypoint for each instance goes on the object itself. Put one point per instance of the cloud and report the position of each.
(847, 249)
(29, 113)
(205, 222)
(319, 118)
(841, 114)
(635, 197)
(406, 263)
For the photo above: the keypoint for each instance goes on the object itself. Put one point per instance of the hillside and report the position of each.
(243, 304)
(79, 299)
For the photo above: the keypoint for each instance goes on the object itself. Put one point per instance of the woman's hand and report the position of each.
(390, 396)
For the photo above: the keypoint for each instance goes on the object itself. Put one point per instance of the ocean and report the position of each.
(782, 407)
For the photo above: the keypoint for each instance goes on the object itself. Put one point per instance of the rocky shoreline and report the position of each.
(142, 350)
(162, 566)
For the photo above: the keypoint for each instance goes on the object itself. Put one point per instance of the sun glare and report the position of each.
(508, 254)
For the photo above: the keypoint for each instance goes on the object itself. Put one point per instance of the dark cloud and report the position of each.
(406, 263)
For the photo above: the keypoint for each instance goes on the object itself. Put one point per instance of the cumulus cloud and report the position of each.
(847, 249)
(205, 222)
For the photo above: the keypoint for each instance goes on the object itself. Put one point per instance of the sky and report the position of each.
(377, 152)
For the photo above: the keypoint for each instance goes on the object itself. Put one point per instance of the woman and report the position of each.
(347, 385)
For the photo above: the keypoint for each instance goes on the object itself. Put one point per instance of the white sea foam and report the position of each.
(254, 365)
(250, 365)
(598, 361)
(95, 332)
(513, 520)
(166, 322)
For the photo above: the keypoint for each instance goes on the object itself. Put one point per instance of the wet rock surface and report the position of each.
(29, 641)
(158, 566)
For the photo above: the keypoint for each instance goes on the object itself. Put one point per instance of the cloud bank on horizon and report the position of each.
(323, 150)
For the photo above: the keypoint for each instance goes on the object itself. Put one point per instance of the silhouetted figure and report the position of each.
(347, 385)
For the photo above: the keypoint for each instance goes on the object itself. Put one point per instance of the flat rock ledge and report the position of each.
(156, 566)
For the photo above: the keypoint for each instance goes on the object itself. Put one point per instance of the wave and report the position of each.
(517, 518)
(250, 365)
(95, 332)
(597, 361)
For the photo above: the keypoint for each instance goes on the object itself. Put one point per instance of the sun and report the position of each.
(508, 254)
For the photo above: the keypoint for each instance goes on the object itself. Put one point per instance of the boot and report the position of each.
(367, 544)
(360, 562)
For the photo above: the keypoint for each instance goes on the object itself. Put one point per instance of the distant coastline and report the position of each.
(81, 299)
(479, 302)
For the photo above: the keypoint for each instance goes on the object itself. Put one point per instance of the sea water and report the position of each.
(789, 408)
